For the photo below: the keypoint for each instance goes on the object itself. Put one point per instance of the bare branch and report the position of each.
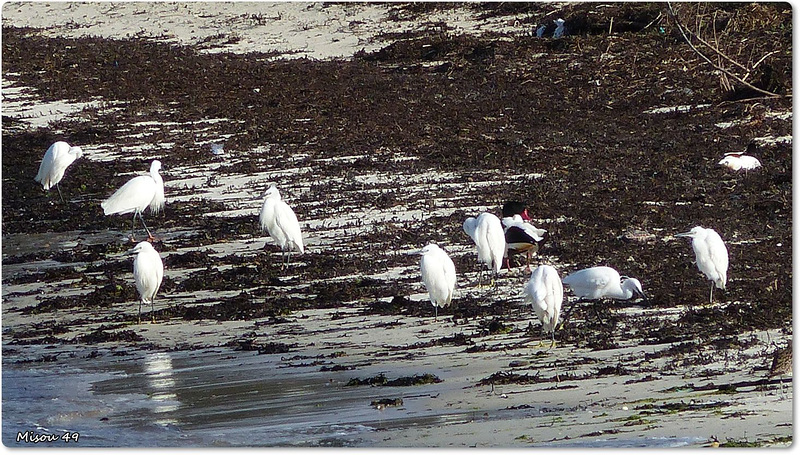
(717, 67)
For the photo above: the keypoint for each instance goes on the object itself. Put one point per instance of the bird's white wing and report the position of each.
(46, 167)
(591, 282)
(450, 275)
(555, 295)
(496, 242)
(533, 231)
(712, 257)
(134, 195)
(286, 221)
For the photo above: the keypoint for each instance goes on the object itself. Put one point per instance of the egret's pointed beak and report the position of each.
(643, 296)
(684, 234)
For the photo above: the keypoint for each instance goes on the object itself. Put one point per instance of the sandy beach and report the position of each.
(385, 126)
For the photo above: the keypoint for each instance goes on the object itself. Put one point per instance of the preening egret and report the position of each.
(148, 272)
(136, 195)
(737, 161)
(711, 256)
(487, 233)
(279, 220)
(439, 276)
(603, 282)
(521, 236)
(56, 160)
(546, 293)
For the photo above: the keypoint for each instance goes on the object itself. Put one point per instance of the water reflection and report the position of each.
(159, 375)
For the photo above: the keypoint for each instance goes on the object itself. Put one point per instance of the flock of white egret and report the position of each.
(495, 239)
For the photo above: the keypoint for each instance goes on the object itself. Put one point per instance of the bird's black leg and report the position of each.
(149, 234)
(140, 312)
(59, 193)
(153, 309)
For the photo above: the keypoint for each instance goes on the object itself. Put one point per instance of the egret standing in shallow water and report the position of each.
(487, 233)
(56, 160)
(603, 282)
(148, 272)
(439, 276)
(711, 256)
(546, 293)
(279, 220)
(521, 236)
(138, 194)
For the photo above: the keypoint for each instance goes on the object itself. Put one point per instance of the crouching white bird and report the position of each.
(603, 282)
(56, 160)
(736, 161)
(138, 194)
(279, 220)
(148, 272)
(487, 233)
(546, 293)
(711, 256)
(439, 276)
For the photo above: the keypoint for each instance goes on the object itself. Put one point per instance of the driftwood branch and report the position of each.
(717, 67)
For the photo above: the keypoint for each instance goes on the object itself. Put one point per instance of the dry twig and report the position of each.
(718, 67)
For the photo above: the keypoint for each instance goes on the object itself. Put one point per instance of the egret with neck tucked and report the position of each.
(148, 272)
(280, 221)
(487, 233)
(546, 293)
(55, 162)
(711, 256)
(439, 276)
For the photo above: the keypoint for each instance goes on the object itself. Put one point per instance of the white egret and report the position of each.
(521, 236)
(736, 161)
(603, 282)
(56, 160)
(279, 220)
(487, 233)
(148, 272)
(546, 293)
(439, 276)
(136, 195)
(711, 256)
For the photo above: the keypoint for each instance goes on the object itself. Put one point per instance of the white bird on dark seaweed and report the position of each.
(521, 236)
(138, 194)
(487, 233)
(603, 282)
(439, 276)
(737, 161)
(560, 30)
(148, 272)
(55, 162)
(546, 293)
(711, 256)
(280, 221)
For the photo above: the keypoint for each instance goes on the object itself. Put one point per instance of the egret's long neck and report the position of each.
(620, 293)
